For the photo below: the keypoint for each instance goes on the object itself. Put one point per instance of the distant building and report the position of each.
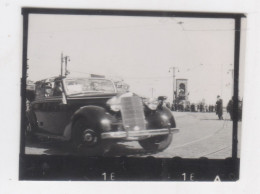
(181, 102)
(182, 89)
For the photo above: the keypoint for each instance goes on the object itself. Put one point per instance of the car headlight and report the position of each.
(151, 103)
(114, 104)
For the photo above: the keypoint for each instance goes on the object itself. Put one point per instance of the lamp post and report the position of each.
(152, 92)
(173, 81)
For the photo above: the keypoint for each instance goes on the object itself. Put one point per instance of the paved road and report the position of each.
(201, 135)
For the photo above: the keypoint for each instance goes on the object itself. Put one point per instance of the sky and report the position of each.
(140, 50)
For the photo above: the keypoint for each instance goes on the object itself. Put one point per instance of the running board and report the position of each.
(51, 136)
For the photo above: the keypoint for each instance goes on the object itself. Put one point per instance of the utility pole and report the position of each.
(61, 65)
(221, 86)
(152, 92)
(67, 58)
(64, 59)
(173, 81)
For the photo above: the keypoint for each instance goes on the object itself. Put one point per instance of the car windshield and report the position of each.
(79, 86)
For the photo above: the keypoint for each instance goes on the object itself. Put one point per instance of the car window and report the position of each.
(121, 87)
(86, 85)
(57, 89)
(53, 89)
(48, 89)
(39, 90)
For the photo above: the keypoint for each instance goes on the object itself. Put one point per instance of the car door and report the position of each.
(52, 115)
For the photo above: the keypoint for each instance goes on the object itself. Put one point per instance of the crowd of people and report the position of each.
(202, 107)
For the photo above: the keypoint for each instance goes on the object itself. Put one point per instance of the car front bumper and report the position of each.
(139, 134)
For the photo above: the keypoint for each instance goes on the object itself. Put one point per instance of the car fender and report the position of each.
(160, 118)
(94, 116)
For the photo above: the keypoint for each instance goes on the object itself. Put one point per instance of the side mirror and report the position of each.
(162, 98)
(119, 85)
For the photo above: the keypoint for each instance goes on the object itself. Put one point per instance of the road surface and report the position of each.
(201, 135)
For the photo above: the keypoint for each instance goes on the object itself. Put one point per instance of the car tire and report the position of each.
(91, 148)
(156, 144)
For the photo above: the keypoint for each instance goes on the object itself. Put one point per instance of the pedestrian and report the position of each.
(201, 107)
(192, 108)
(230, 108)
(210, 108)
(219, 108)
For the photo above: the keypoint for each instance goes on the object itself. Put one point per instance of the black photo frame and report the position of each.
(45, 167)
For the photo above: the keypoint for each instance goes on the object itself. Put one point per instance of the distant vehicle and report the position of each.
(90, 112)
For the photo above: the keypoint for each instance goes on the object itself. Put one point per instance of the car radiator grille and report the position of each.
(132, 113)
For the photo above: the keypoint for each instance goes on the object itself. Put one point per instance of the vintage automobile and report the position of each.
(91, 112)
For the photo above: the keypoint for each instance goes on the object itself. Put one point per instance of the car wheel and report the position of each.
(156, 144)
(86, 140)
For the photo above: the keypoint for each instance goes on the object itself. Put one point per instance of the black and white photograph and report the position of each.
(117, 84)
(196, 59)
(137, 96)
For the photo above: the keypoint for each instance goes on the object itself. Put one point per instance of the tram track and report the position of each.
(203, 138)
(217, 151)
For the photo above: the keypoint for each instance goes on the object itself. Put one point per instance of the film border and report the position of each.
(38, 167)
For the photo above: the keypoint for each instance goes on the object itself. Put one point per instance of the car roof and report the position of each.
(48, 79)
(68, 78)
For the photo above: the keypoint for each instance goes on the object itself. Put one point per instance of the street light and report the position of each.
(173, 81)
